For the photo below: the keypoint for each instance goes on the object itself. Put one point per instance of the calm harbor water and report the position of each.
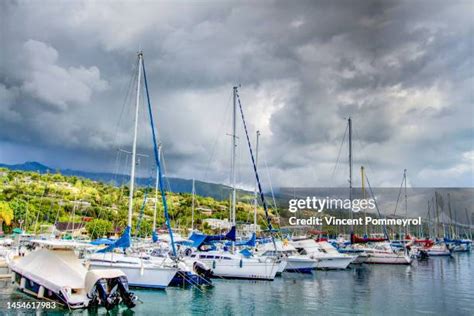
(439, 286)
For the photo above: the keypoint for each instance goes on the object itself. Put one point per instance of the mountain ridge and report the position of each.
(174, 184)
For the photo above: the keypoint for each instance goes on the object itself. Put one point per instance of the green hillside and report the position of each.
(38, 200)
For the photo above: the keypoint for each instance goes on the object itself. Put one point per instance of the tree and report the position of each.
(6, 215)
(145, 229)
(98, 228)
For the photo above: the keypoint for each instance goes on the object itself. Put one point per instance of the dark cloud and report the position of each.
(401, 70)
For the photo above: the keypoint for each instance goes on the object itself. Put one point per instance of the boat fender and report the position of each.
(41, 292)
(214, 264)
(241, 263)
(22, 283)
(13, 277)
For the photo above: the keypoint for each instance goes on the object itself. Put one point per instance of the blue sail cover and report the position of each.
(201, 239)
(102, 241)
(246, 253)
(457, 241)
(154, 236)
(123, 242)
(252, 242)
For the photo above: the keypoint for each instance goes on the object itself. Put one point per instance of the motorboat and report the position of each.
(54, 272)
(325, 254)
(284, 250)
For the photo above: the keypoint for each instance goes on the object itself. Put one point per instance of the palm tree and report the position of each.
(6, 215)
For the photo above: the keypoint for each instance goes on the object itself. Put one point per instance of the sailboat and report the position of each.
(459, 245)
(439, 250)
(141, 272)
(376, 251)
(196, 274)
(225, 263)
(383, 252)
(53, 272)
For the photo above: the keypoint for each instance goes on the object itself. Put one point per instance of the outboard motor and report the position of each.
(423, 254)
(202, 270)
(109, 291)
(128, 298)
(188, 252)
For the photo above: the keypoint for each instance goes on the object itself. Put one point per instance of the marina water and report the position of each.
(438, 286)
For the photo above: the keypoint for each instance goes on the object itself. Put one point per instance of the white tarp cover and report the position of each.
(61, 244)
(279, 245)
(55, 269)
(94, 275)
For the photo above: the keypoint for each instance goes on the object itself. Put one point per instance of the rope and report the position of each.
(399, 195)
(377, 207)
(211, 158)
(339, 154)
(158, 164)
(262, 197)
(140, 216)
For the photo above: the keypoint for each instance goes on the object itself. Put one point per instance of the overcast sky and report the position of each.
(402, 70)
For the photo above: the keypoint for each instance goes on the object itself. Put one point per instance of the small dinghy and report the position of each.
(53, 272)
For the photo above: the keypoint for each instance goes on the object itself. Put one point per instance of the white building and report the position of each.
(248, 229)
(215, 223)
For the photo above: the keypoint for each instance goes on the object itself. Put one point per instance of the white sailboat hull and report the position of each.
(147, 277)
(438, 253)
(300, 264)
(139, 273)
(230, 266)
(361, 258)
(329, 263)
(387, 258)
(252, 270)
(281, 267)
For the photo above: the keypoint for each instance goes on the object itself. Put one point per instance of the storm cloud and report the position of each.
(403, 70)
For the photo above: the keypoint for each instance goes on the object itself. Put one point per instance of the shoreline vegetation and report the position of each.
(37, 201)
(34, 202)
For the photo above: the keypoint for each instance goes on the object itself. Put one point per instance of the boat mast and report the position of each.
(156, 202)
(407, 227)
(430, 224)
(257, 178)
(437, 214)
(349, 121)
(468, 224)
(363, 197)
(456, 225)
(192, 208)
(156, 192)
(255, 190)
(234, 146)
(134, 148)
